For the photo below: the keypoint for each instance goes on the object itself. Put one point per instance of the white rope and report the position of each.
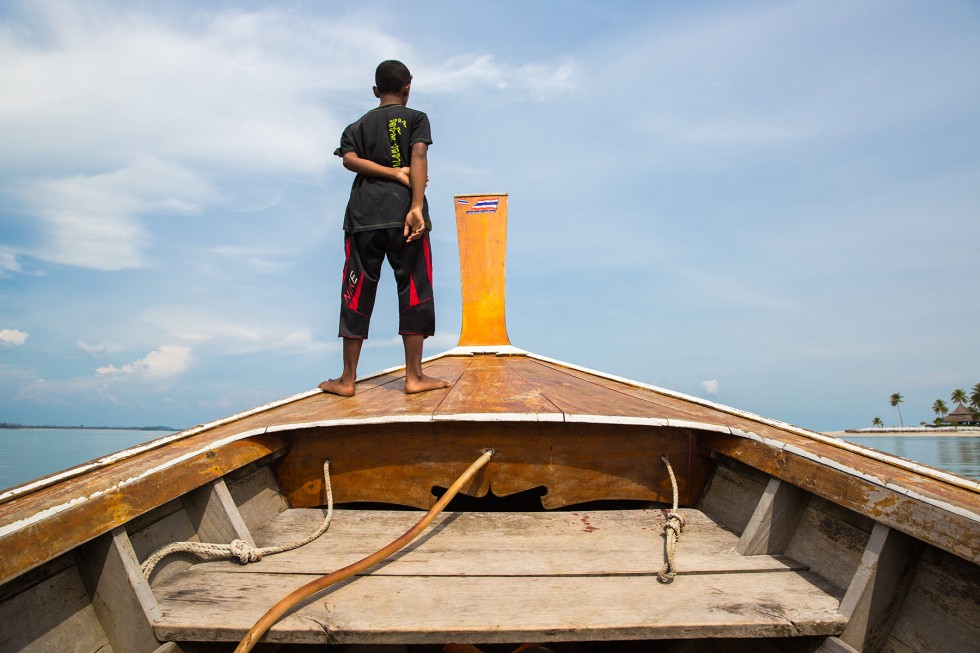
(672, 531)
(240, 549)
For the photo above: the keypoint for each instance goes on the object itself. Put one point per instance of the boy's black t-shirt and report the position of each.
(384, 135)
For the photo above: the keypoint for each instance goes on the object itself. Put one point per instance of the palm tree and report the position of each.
(975, 396)
(877, 422)
(959, 397)
(896, 399)
(939, 407)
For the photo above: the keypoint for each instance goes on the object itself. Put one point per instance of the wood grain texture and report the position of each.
(258, 497)
(482, 267)
(941, 613)
(775, 519)
(504, 544)
(53, 615)
(120, 596)
(506, 577)
(401, 463)
(578, 392)
(878, 588)
(731, 498)
(214, 514)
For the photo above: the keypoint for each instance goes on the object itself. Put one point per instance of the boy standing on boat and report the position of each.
(387, 216)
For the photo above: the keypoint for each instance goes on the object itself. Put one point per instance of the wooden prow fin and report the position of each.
(481, 223)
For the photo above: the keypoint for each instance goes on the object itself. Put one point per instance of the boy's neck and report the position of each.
(397, 97)
(392, 98)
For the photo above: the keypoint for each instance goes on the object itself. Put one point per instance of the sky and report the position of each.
(771, 205)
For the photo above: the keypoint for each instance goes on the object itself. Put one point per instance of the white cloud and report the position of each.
(12, 337)
(93, 84)
(537, 81)
(94, 221)
(711, 386)
(256, 258)
(167, 361)
(8, 261)
(235, 331)
(132, 112)
(92, 351)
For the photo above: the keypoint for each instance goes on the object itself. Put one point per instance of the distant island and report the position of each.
(80, 427)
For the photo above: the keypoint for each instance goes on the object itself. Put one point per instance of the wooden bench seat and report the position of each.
(502, 577)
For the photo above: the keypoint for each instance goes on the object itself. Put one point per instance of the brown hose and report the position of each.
(285, 605)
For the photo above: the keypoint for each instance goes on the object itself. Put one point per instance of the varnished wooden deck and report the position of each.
(503, 577)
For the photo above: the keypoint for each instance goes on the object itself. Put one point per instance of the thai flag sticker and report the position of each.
(462, 201)
(484, 206)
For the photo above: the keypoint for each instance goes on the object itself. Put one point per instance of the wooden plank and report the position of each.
(775, 519)
(730, 498)
(508, 544)
(59, 518)
(576, 463)
(214, 514)
(490, 385)
(120, 595)
(159, 527)
(53, 615)
(258, 497)
(611, 397)
(388, 400)
(940, 613)
(878, 589)
(390, 609)
(948, 530)
(828, 543)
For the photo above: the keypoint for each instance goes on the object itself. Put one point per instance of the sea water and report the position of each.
(26, 454)
(959, 454)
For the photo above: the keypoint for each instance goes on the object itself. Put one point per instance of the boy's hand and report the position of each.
(402, 177)
(414, 225)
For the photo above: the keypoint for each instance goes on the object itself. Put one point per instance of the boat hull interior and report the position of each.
(558, 541)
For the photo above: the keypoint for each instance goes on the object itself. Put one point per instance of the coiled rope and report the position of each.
(672, 531)
(240, 549)
(285, 605)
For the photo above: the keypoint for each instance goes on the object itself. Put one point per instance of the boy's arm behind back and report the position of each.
(369, 168)
(418, 177)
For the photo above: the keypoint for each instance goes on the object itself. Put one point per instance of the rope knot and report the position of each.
(245, 552)
(675, 522)
(673, 525)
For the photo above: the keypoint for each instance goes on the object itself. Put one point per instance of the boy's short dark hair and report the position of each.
(391, 76)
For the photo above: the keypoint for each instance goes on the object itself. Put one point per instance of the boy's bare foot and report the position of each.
(423, 383)
(337, 387)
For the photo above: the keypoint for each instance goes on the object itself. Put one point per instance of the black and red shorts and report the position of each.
(412, 263)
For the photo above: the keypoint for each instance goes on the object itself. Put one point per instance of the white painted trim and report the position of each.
(618, 420)
(500, 417)
(924, 470)
(7, 529)
(499, 350)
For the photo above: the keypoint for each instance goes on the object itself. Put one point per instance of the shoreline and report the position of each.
(908, 431)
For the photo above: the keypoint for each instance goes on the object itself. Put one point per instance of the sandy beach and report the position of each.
(897, 431)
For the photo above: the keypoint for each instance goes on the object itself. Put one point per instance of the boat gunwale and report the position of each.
(879, 479)
(7, 529)
(507, 350)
